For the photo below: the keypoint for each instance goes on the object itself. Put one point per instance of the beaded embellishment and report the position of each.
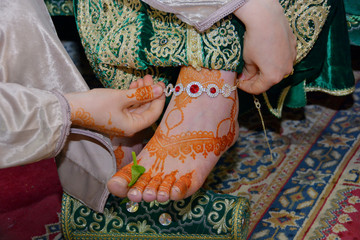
(195, 89)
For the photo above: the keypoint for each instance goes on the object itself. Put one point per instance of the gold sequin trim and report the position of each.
(307, 19)
(341, 92)
(194, 50)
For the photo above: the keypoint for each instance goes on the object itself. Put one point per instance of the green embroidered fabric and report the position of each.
(125, 40)
(352, 8)
(60, 7)
(65, 8)
(205, 215)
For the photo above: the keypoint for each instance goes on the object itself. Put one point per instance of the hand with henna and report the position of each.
(117, 112)
(269, 45)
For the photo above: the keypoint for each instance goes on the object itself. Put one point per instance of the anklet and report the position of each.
(195, 89)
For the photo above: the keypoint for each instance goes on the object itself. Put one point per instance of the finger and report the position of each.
(148, 116)
(249, 71)
(133, 85)
(140, 82)
(143, 94)
(256, 85)
(148, 80)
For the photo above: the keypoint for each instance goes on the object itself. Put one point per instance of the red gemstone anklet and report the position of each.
(195, 89)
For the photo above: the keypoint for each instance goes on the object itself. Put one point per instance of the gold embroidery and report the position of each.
(108, 46)
(307, 19)
(194, 52)
(331, 92)
(167, 45)
(278, 109)
(175, 43)
(76, 217)
(222, 47)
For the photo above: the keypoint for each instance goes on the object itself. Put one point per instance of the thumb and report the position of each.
(144, 94)
(249, 71)
(251, 80)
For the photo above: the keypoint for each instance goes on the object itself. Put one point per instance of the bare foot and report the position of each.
(124, 146)
(189, 141)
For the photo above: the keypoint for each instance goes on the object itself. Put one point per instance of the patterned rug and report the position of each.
(310, 189)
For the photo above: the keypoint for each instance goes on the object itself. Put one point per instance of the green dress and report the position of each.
(125, 40)
(352, 8)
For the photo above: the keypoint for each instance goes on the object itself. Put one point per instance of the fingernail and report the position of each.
(157, 90)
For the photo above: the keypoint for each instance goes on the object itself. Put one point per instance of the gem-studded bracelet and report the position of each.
(195, 89)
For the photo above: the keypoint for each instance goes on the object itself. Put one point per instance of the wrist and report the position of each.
(258, 11)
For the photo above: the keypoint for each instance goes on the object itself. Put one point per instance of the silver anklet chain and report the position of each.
(195, 89)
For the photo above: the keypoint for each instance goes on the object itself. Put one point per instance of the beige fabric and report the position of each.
(35, 70)
(32, 123)
(201, 14)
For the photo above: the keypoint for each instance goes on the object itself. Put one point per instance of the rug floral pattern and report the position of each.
(311, 187)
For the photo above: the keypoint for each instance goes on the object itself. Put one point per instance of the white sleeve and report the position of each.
(34, 124)
(34, 69)
(201, 14)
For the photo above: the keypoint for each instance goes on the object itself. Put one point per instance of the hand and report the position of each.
(269, 45)
(118, 112)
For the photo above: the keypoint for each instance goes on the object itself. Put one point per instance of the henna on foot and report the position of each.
(190, 139)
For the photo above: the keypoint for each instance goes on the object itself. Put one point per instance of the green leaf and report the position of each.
(125, 200)
(136, 171)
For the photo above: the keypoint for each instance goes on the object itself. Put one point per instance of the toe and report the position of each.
(164, 189)
(118, 186)
(135, 193)
(149, 195)
(150, 191)
(180, 187)
(178, 191)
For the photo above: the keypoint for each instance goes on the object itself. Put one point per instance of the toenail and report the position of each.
(119, 181)
(162, 194)
(134, 192)
(149, 192)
